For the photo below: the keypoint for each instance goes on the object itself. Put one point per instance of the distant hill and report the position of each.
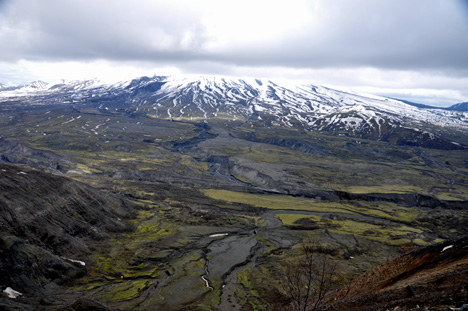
(459, 107)
(456, 107)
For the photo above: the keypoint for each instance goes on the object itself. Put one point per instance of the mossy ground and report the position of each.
(276, 201)
(406, 224)
(124, 291)
(247, 292)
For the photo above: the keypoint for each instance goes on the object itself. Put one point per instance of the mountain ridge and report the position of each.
(42, 85)
(310, 107)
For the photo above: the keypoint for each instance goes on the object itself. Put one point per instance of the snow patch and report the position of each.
(75, 261)
(11, 293)
(218, 235)
(446, 248)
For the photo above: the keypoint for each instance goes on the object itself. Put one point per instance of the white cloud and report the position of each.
(241, 24)
(394, 44)
(109, 71)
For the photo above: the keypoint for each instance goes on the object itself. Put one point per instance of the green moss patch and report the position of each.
(276, 201)
(125, 291)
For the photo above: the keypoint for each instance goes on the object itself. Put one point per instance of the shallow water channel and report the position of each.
(209, 266)
(223, 256)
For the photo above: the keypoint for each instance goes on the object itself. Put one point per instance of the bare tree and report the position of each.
(309, 278)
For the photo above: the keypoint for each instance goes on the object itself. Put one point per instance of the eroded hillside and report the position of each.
(434, 277)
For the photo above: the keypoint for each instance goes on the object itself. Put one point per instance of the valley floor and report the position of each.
(219, 209)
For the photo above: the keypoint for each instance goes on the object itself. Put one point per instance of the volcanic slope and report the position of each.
(270, 103)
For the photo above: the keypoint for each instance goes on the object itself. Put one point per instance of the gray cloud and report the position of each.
(397, 35)
(392, 34)
(224, 36)
(69, 30)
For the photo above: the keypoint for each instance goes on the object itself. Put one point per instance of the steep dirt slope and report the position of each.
(434, 278)
(48, 225)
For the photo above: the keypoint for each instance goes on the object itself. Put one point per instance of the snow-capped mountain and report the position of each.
(30, 87)
(252, 100)
(308, 106)
(38, 88)
(38, 85)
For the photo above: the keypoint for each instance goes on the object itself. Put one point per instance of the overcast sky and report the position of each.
(411, 49)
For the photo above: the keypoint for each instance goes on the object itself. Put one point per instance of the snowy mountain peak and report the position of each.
(36, 85)
(253, 100)
(25, 88)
